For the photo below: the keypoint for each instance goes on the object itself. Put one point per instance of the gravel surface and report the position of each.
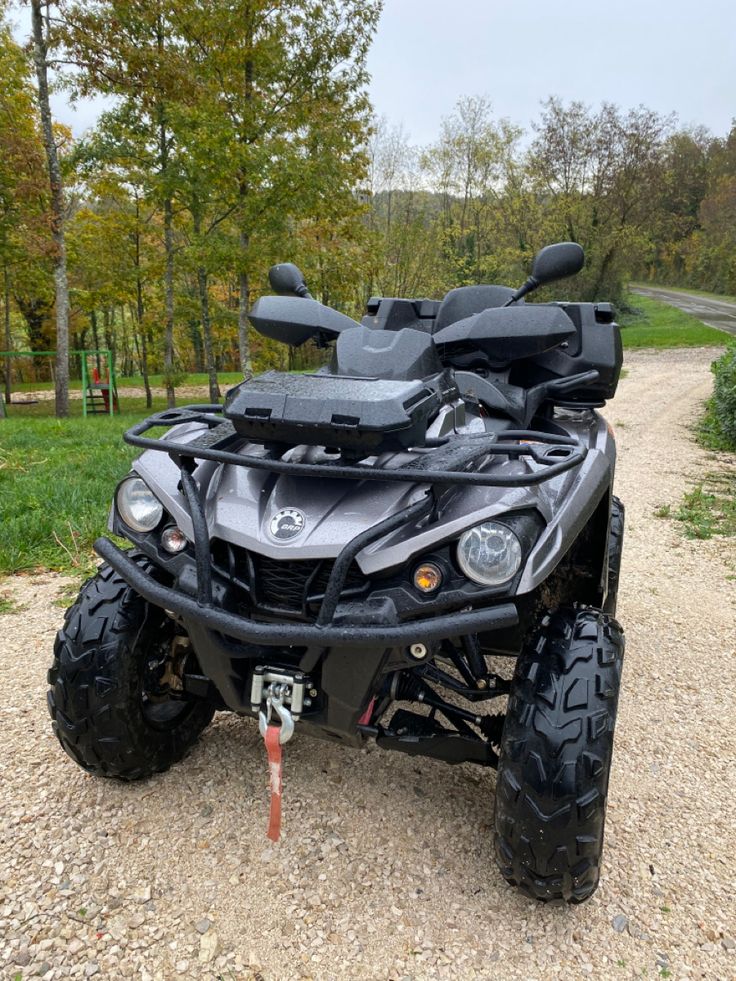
(385, 869)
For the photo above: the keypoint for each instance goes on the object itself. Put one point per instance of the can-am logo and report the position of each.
(287, 523)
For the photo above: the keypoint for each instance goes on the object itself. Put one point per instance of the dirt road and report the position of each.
(720, 314)
(386, 870)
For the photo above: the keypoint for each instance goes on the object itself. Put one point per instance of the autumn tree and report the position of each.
(26, 247)
(601, 175)
(130, 49)
(286, 108)
(468, 167)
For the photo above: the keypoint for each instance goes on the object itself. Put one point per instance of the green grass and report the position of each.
(707, 510)
(652, 324)
(56, 484)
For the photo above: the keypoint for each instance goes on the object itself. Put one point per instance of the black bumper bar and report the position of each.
(280, 634)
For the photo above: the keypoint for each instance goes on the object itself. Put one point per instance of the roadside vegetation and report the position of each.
(650, 323)
(709, 509)
(722, 407)
(194, 378)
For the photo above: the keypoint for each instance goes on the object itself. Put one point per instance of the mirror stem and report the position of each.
(529, 285)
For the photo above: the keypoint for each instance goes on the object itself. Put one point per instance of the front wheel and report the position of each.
(116, 699)
(615, 551)
(556, 756)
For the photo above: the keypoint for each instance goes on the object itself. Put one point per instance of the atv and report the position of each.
(383, 549)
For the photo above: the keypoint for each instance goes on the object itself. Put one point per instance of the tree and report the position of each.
(469, 166)
(26, 248)
(284, 89)
(130, 49)
(40, 50)
(600, 176)
(117, 165)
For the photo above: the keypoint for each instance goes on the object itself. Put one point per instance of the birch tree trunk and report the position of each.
(204, 306)
(169, 304)
(209, 360)
(57, 214)
(8, 339)
(139, 309)
(246, 364)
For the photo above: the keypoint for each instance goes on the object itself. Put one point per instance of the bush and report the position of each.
(724, 395)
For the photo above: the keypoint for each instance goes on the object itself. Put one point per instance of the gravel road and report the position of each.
(385, 870)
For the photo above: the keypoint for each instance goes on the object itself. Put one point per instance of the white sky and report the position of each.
(670, 55)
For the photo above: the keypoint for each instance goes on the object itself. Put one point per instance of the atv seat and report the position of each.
(465, 301)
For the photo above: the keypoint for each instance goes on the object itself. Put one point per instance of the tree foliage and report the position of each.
(240, 134)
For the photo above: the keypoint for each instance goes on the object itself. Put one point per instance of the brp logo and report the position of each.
(287, 524)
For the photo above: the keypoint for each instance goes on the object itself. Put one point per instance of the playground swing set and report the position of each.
(99, 386)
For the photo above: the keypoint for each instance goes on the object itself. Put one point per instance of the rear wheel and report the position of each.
(115, 698)
(556, 756)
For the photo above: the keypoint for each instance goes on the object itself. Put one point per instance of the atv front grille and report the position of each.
(292, 586)
(276, 586)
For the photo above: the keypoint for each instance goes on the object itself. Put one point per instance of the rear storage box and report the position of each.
(359, 414)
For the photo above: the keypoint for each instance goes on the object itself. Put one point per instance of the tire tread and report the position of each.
(556, 755)
(94, 699)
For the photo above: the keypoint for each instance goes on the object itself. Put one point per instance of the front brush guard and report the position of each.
(302, 634)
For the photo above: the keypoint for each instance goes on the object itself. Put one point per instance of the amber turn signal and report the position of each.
(428, 577)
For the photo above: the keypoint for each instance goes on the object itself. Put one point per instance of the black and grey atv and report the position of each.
(353, 553)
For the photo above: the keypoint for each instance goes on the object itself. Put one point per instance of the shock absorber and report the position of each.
(410, 688)
(476, 661)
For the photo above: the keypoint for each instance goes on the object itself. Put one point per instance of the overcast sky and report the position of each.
(670, 55)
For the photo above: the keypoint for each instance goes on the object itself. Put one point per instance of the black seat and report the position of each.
(466, 300)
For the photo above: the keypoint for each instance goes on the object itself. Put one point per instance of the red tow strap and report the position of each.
(275, 770)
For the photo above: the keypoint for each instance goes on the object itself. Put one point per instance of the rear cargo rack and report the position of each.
(441, 461)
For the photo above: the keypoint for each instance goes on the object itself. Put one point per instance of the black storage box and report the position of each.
(358, 414)
(595, 345)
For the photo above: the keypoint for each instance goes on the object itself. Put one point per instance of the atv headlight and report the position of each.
(138, 506)
(489, 554)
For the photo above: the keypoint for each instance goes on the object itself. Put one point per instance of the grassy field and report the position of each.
(56, 484)
(658, 325)
(57, 477)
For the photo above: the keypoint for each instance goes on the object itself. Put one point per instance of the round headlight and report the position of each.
(489, 554)
(138, 506)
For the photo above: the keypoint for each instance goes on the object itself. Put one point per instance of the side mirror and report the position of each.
(287, 280)
(557, 262)
(551, 263)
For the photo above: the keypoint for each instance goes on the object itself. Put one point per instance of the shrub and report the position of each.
(724, 395)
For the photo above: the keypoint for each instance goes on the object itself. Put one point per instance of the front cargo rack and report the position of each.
(441, 461)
